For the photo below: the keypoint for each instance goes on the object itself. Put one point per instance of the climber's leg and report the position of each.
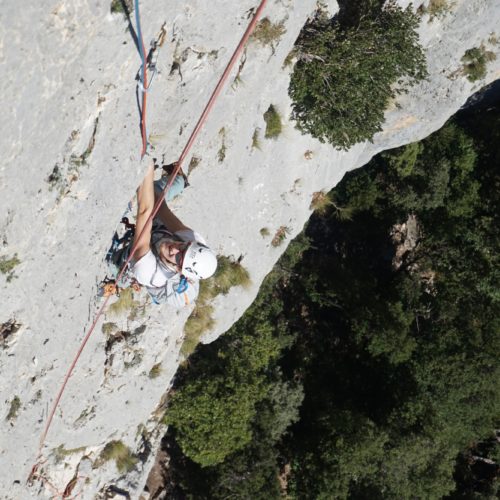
(176, 188)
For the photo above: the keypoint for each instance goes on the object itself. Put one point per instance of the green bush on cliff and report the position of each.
(350, 68)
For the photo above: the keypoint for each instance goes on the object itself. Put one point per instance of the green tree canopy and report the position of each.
(367, 365)
(349, 68)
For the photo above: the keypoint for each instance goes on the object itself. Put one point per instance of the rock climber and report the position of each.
(170, 258)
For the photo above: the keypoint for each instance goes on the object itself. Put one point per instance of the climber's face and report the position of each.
(172, 253)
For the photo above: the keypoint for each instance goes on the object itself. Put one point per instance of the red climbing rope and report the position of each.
(181, 159)
(199, 125)
(144, 91)
(143, 112)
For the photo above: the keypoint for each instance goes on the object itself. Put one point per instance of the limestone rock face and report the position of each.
(70, 148)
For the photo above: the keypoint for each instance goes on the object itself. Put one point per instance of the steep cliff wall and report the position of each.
(70, 147)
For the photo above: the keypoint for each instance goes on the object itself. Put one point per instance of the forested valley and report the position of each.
(368, 365)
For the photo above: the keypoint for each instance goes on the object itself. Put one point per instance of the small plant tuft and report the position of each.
(124, 304)
(493, 39)
(438, 8)
(237, 81)
(255, 139)
(37, 397)
(7, 266)
(221, 154)
(77, 161)
(121, 454)
(55, 178)
(135, 360)
(85, 415)
(199, 322)
(109, 328)
(8, 329)
(155, 371)
(289, 59)
(229, 273)
(273, 123)
(121, 6)
(60, 453)
(268, 33)
(195, 161)
(475, 61)
(280, 236)
(264, 232)
(116, 6)
(15, 406)
(320, 202)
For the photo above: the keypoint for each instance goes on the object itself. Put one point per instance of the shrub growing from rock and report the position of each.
(229, 273)
(280, 236)
(475, 61)
(268, 33)
(121, 6)
(273, 123)
(15, 405)
(7, 266)
(320, 202)
(438, 8)
(347, 72)
(124, 459)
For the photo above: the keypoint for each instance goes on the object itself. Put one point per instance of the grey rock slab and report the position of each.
(68, 81)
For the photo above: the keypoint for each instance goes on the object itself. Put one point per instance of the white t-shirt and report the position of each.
(158, 279)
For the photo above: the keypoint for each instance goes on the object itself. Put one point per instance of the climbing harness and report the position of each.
(118, 253)
(34, 471)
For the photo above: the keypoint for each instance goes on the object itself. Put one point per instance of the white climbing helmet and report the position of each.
(199, 261)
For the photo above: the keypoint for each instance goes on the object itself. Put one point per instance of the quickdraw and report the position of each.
(183, 285)
(109, 287)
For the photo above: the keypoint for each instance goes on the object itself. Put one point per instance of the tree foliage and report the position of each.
(414, 348)
(475, 61)
(214, 411)
(350, 67)
(366, 365)
(212, 419)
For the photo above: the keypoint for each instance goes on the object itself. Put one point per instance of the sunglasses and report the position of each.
(179, 257)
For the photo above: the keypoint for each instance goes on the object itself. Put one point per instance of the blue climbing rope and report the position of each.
(142, 78)
(139, 39)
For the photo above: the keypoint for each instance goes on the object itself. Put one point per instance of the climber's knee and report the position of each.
(176, 188)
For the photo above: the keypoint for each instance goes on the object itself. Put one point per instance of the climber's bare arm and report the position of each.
(172, 223)
(145, 205)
